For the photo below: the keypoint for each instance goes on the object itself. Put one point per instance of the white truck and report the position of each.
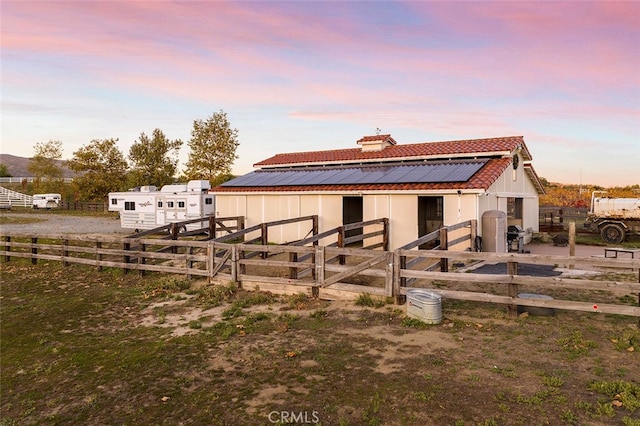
(148, 208)
(46, 201)
(613, 218)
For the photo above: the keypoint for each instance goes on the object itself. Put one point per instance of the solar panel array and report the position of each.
(434, 172)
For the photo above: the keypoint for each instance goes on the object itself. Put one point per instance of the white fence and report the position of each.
(27, 179)
(10, 198)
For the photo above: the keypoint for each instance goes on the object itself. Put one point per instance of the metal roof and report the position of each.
(428, 172)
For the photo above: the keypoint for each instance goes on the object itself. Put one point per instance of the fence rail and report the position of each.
(342, 272)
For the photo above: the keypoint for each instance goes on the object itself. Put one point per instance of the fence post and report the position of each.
(141, 258)
(65, 252)
(399, 263)
(237, 269)
(34, 250)
(314, 228)
(7, 248)
(174, 236)
(189, 253)
(385, 234)
(572, 241)
(341, 236)
(512, 288)
(319, 264)
(473, 233)
(388, 275)
(264, 238)
(444, 245)
(210, 264)
(127, 258)
(293, 271)
(212, 227)
(240, 225)
(98, 255)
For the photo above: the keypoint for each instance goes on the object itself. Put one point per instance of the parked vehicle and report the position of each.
(613, 218)
(46, 201)
(147, 208)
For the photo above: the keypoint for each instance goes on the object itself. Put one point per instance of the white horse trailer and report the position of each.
(148, 208)
(46, 201)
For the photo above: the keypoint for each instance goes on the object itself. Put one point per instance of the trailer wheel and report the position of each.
(612, 233)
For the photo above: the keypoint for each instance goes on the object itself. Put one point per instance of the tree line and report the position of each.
(101, 167)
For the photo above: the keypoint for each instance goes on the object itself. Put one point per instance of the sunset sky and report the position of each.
(316, 75)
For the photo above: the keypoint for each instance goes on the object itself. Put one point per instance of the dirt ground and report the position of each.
(83, 347)
(87, 347)
(53, 223)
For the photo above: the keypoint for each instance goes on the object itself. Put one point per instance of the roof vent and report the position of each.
(376, 143)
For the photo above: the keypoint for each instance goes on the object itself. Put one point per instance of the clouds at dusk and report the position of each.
(296, 76)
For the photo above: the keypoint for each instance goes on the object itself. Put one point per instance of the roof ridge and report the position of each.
(420, 149)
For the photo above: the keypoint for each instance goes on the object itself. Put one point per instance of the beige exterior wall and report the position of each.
(403, 220)
(401, 208)
(516, 184)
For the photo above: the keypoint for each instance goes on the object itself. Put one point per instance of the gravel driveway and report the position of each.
(65, 224)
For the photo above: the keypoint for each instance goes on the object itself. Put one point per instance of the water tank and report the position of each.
(494, 231)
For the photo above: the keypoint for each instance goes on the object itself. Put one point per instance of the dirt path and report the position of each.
(57, 223)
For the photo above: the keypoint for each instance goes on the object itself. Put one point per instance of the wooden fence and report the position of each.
(333, 271)
(556, 219)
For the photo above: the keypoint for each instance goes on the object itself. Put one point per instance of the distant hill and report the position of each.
(19, 166)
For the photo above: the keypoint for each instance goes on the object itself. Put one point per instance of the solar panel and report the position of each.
(434, 172)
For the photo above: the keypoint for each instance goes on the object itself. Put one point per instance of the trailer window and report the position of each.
(170, 204)
(129, 205)
(159, 203)
(208, 200)
(181, 204)
(114, 201)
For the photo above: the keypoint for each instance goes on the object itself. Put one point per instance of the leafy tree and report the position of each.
(45, 166)
(154, 160)
(100, 168)
(4, 171)
(213, 148)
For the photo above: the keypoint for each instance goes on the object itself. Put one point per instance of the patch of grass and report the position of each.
(569, 417)
(508, 371)
(628, 339)
(215, 295)
(298, 301)
(575, 345)
(621, 393)
(18, 220)
(165, 286)
(414, 323)
(233, 311)
(628, 421)
(319, 314)
(195, 325)
(365, 299)
(552, 381)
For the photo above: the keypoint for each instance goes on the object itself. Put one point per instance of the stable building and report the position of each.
(418, 187)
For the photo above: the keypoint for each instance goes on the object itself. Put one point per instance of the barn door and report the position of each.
(430, 215)
(351, 213)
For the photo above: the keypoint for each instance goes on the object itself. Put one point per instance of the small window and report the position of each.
(515, 208)
(208, 201)
(129, 205)
(114, 201)
(181, 204)
(160, 204)
(170, 204)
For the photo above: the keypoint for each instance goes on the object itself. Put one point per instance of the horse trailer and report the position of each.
(147, 208)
